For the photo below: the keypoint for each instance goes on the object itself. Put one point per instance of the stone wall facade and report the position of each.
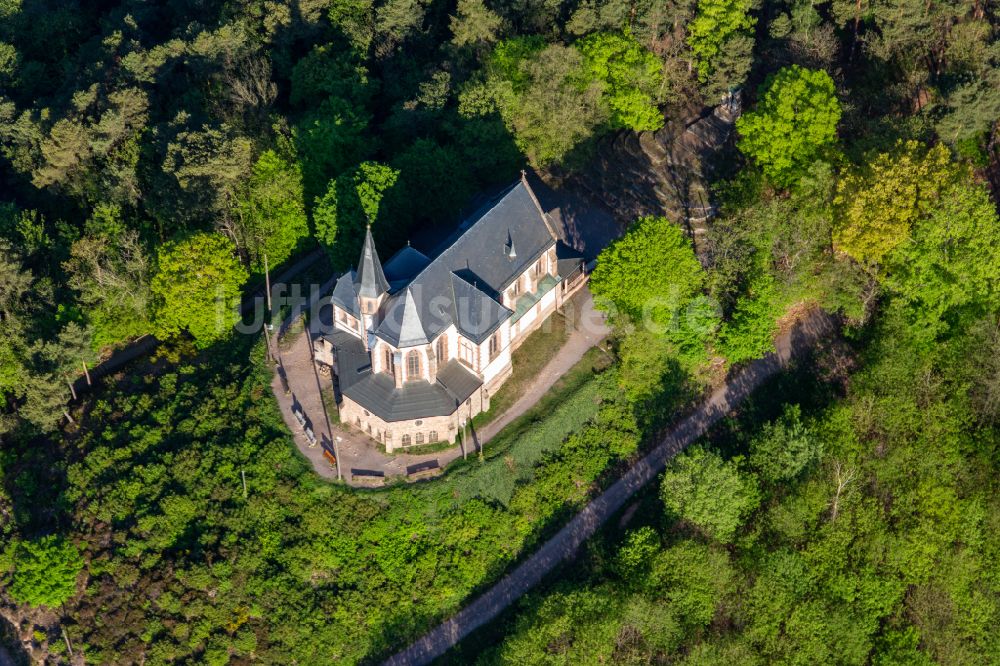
(393, 434)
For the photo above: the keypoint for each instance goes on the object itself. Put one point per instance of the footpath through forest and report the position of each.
(811, 329)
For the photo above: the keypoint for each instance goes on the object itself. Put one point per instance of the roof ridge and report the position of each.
(453, 243)
(538, 206)
(410, 311)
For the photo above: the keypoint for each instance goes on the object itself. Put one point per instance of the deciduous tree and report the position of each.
(712, 31)
(196, 287)
(651, 275)
(45, 571)
(880, 201)
(632, 78)
(794, 121)
(709, 493)
(271, 214)
(352, 201)
(474, 24)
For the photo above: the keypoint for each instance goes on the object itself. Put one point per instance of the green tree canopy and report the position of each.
(785, 447)
(717, 25)
(111, 270)
(793, 122)
(201, 173)
(632, 77)
(352, 201)
(474, 24)
(543, 95)
(196, 287)
(950, 266)
(880, 202)
(271, 214)
(45, 571)
(651, 275)
(708, 492)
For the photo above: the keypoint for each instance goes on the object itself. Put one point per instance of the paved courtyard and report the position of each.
(363, 460)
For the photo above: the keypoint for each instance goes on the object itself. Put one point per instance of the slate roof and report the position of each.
(568, 260)
(461, 285)
(377, 391)
(403, 265)
(480, 257)
(370, 281)
(345, 295)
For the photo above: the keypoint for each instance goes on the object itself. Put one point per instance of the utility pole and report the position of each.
(267, 284)
(336, 452)
(465, 443)
(267, 319)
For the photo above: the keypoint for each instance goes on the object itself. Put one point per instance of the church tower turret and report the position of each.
(370, 283)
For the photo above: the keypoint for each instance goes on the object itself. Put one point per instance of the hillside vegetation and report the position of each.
(155, 157)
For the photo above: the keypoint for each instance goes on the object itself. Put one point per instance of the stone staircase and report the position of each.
(665, 172)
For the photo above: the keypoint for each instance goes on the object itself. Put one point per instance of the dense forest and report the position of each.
(155, 157)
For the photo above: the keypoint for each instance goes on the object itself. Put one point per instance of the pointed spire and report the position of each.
(371, 282)
(411, 329)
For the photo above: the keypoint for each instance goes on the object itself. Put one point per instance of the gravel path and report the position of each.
(589, 329)
(565, 543)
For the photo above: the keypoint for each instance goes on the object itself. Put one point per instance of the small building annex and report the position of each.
(419, 345)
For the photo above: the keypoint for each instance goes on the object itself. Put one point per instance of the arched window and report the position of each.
(467, 353)
(406, 440)
(442, 349)
(420, 438)
(388, 360)
(494, 345)
(413, 365)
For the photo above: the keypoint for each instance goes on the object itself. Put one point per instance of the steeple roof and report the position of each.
(370, 281)
(411, 330)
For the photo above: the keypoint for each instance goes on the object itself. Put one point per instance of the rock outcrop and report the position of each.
(665, 172)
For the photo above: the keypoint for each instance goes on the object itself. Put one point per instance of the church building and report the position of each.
(419, 345)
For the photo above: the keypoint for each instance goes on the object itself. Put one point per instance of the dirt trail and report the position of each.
(564, 544)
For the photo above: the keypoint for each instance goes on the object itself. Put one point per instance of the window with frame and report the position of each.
(413, 365)
(494, 345)
(432, 436)
(539, 266)
(388, 360)
(406, 440)
(420, 438)
(515, 288)
(442, 349)
(467, 353)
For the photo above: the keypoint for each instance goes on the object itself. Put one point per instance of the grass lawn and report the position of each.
(533, 353)
(593, 362)
(329, 399)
